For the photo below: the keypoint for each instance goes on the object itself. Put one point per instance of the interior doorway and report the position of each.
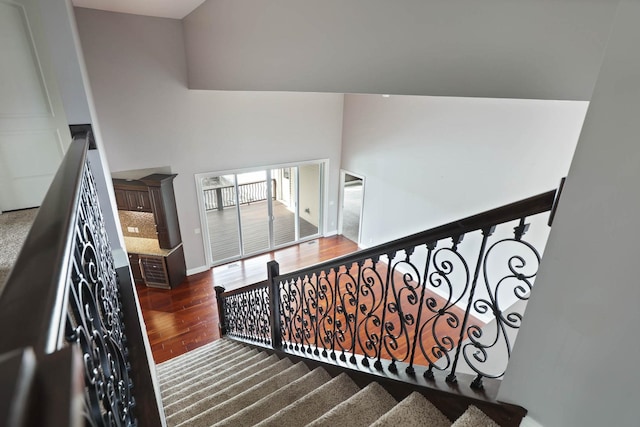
(352, 202)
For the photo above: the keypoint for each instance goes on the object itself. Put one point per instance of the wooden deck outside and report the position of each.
(223, 229)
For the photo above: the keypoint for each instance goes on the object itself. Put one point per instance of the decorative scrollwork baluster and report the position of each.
(327, 304)
(452, 278)
(370, 305)
(521, 261)
(94, 316)
(403, 300)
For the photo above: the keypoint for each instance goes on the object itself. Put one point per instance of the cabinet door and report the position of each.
(154, 271)
(134, 263)
(144, 201)
(132, 200)
(121, 199)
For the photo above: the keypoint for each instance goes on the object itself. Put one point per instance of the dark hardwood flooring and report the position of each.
(185, 318)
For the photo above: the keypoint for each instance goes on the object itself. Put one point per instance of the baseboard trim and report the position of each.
(331, 233)
(192, 271)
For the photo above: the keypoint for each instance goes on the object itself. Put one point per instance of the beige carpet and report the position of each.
(227, 384)
(14, 227)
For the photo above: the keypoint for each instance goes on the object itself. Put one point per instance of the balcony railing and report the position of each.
(73, 345)
(445, 300)
(225, 197)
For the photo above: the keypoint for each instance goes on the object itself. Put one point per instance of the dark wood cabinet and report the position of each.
(163, 271)
(132, 196)
(163, 204)
(134, 263)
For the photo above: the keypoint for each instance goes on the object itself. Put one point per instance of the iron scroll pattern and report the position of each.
(246, 315)
(441, 305)
(95, 317)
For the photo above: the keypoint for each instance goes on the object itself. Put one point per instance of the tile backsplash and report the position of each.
(138, 224)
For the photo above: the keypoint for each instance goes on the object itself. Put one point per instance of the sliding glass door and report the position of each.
(247, 213)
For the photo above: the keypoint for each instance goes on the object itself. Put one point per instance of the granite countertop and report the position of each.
(140, 245)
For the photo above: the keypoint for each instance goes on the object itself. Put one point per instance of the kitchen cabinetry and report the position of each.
(153, 193)
(160, 271)
(132, 196)
(163, 204)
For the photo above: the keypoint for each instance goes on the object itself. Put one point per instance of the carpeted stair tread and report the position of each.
(360, 410)
(212, 375)
(211, 370)
(206, 359)
(197, 403)
(210, 348)
(189, 366)
(214, 384)
(196, 356)
(277, 400)
(412, 412)
(214, 347)
(240, 401)
(474, 417)
(314, 404)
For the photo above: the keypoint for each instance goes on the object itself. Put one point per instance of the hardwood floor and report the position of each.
(185, 318)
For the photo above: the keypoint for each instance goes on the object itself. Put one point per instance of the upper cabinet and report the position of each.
(153, 193)
(163, 203)
(132, 195)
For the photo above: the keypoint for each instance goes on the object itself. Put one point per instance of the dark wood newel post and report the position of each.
(222, 322)
(273, 271)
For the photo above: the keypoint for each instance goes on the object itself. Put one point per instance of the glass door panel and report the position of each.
(254, 211)
(219, 195)
(284, 205)
(309, 185)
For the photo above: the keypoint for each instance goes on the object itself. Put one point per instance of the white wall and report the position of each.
(149, 118)
(575, 364)
(432, 160)
(535, 49)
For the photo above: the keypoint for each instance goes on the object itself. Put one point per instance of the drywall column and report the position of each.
(575, 360)
(59, 25)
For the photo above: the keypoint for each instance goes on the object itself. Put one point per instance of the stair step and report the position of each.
(412, 411)
(209, 372)
(277, 400)
(199, 402)
(314, 404)
(240, 401)
(474, 417)
(360, 410)
(212, 347)
(226, 384)
(208, 359)
(213, 384)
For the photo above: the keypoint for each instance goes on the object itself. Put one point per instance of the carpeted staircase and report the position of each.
(228, 384)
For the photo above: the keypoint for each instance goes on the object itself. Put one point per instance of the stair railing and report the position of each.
(448, 299)
(72, 350)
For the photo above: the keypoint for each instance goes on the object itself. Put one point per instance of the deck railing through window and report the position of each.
(225, 197)
(449, 299)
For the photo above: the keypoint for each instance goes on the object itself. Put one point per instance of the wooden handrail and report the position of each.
(65, 295)
(527, 207)
(33, 304)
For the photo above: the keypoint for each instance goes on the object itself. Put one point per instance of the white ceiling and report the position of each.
(177, 9)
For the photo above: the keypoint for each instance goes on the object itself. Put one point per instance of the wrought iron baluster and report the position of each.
(94, 316)
(353, 359)
(370, 348)
(521, 284)
(390, 257)
(327, 292)
(486, 232)
(430, 247)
